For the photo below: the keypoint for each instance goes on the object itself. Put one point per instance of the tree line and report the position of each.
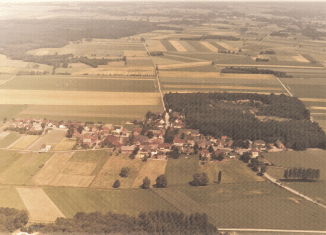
(202, 112)
(12, 219)
(302, 174)
(255, 71)
(217, 37)
(96, 62)
(158, 222)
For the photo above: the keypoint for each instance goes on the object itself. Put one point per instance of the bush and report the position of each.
(116, 184)
(124, 172)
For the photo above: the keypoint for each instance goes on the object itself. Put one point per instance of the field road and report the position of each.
(293, 191)
(284, 87)
(156, 72)
(8, 80)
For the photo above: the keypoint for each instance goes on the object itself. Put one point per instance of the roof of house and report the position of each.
(204, 151)
(128, 148)
(254, 150)
(259, 142)
(194, 132)
(164, 145)
(224, 137)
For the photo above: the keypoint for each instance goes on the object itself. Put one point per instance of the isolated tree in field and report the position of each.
(200, 179)
(219, 177)
(142, 39)
(124, 171)
(116, 184)
(161, 181)
(146, 183)
(286, 174)
(4, 119)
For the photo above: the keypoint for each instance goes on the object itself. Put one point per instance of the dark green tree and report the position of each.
(161, 181)
(124, 171)
(219, 177)
(286, 174)
(116, 184)
(146, 183)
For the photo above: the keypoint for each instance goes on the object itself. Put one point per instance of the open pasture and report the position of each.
(105, 113)
(51, 138)
(9, 139)
(308, 91)
(185, 74)
(257, 205)
(24, 142)
(111, 170)
(20, 167)
(9, 197)
(39, 205)
(53, 167)
(130, 202)
(75, 84)
(152, 169)
(314, 190)
(67, 180)
(50, 97)
(209, 46)
(65, 144)
(314, 159)
(184, 65)
(178, 46)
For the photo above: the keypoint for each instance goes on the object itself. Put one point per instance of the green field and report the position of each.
(198, 46)
(130, 201)
(9, 139)
(76, 84)
(21, 167)
(314, 159)
(258, 205)
(105, 113)
(9, 197)
(99, 157)
(10, 111)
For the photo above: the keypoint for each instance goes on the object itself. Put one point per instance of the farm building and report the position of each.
(45, 148)
(127, 149)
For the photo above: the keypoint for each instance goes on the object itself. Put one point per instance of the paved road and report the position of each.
(293, 191)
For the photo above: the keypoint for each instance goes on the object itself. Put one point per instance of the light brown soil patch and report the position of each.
(39, 206)
(209, 46)
(184, 65)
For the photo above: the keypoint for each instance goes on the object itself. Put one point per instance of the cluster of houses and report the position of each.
(148, 141)
(29, 125)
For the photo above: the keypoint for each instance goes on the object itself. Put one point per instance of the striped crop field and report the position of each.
(178, 46)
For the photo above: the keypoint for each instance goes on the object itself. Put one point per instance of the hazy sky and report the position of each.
(26, 1)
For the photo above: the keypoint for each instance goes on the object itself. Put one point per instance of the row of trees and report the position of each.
(12, 219)
(302, 174)
(96, 62)
(254, 71)
(203, 112)
(158, 222)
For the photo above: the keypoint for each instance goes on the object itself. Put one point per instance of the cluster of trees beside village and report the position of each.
(270, 52)
(158, 222)
(255, 71)
(217, 37)
(12, 219)
(202, 112)
(96, 62)
(302, 174)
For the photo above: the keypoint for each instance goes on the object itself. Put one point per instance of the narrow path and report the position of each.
(273, 180)
(8, 80)
(15, 141)
(284, 87)
(156, 72)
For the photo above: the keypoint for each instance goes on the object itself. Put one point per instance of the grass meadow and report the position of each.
(129, 201)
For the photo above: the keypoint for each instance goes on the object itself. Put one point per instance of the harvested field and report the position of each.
(187, 46)
(135, 53)
(300, 58)
(155, 45)
(79, 168)
(137, 71)
(186, 74)
(159, 60)
(138, 58)
(39, 206)
(209, 46)
(184, 65)
(248, 76)
(4, 134)
(221, 87)
(285, 58)
(24, 142)
(9, 139)
(312, 100)
(164, 36)
(316, 107)
(42, 97)
(111, 170)
(65, 144)
(72, 180)
(178, 46)
(51, 169)
(168, 46)
(152, 169)
(53, 137)
(226, 46)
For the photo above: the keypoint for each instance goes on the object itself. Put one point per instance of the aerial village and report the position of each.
(149, 140)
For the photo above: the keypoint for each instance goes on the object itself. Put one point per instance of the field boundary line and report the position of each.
(284, 87)
(156, 72)
(8, 80)
(270, 230)
(15, 141)
(273, 180)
